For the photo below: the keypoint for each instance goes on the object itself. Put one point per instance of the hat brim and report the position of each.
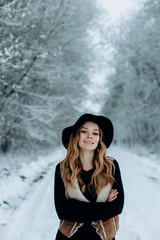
(104, 123)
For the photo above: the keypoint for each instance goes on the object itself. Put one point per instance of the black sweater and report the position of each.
(77, 211)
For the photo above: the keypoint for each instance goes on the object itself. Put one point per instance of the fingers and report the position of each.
(113, 195)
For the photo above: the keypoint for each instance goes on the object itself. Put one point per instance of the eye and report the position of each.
(95, 133)
(83, 131)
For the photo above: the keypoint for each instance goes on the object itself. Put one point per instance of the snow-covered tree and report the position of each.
(44, 60)
(134, 96)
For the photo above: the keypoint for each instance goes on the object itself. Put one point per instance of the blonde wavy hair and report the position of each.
(71, 166)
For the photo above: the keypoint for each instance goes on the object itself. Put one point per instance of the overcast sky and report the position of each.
(118, 8)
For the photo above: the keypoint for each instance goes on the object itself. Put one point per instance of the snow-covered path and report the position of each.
(36, 218)
(141, 177)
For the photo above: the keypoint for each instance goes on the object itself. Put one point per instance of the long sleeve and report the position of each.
(78, 211)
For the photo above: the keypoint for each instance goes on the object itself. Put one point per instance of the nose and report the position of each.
(89, 135)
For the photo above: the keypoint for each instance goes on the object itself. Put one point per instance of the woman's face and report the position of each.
(89, 136)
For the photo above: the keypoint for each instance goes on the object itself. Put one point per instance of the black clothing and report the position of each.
(78, 211)
(83, 233)
(60, 236)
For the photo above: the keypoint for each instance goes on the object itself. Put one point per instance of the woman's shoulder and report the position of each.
(117, 171)
(112, 159)
(115, 167)
(115, 161)
(58, 167)
(116, 164)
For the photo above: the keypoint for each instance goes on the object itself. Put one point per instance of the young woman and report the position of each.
(88, 189)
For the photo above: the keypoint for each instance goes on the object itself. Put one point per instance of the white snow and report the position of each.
(30, 212)
(141, 177)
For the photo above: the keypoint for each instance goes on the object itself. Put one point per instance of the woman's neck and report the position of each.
(86, 158)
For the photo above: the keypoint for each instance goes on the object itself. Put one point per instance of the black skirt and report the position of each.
(81, 234)
(85, 231)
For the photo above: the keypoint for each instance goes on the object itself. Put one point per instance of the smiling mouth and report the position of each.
(88, 142)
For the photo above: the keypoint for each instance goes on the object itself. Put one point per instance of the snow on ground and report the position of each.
(16, 184)
(141, 177)
(34, 216)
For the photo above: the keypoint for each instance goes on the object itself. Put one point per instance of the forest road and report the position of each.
(36, 218)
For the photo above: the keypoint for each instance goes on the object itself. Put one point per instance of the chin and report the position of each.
(90, 148)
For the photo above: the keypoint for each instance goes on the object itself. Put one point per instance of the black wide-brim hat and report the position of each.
(104, 123)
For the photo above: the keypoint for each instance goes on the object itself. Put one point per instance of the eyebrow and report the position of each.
(93, 129)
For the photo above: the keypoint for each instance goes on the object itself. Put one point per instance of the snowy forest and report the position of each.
(58, 60)
(47, 55)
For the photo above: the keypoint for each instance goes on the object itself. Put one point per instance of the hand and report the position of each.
(113, 195)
